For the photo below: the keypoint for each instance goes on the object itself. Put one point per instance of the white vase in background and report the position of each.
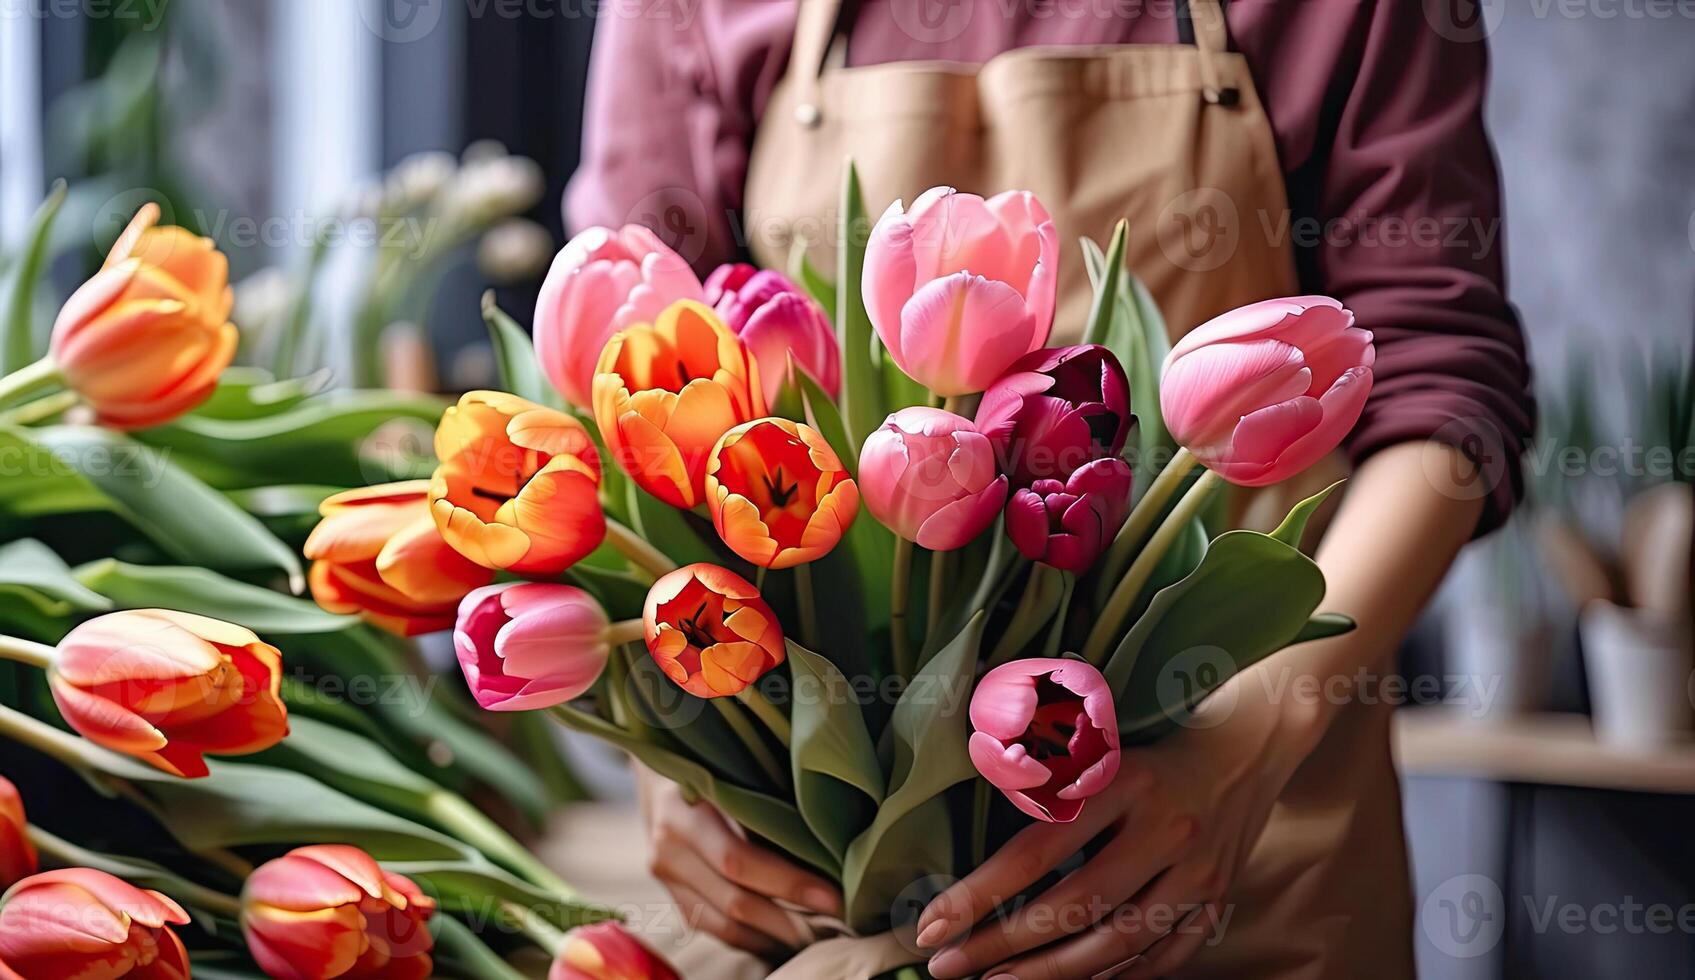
(1639, 667)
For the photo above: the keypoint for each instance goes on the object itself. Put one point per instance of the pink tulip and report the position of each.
(930, 476)
(607, 951)
(1046, 733)
(526, 645)
(774, 319)
(960, 287)
(601, 282)
(1261, 393)
(1067, 525)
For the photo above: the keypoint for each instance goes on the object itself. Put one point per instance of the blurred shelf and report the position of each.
(1551, 749)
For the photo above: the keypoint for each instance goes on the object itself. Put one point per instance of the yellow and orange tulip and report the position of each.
(607, 951)
(330, 912)
(518, 487)
(84, 923)
(168, 687)
(665, 393)
(18, 859)
(377, 554)
(778, 494)
(146, 338)
(710, 631)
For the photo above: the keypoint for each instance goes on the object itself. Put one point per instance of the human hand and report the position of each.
(723, 883)
(1174, 828)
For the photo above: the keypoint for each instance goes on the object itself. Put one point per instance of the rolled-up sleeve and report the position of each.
(1412, 242)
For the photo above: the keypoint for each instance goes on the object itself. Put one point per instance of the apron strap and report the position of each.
(1201, 23)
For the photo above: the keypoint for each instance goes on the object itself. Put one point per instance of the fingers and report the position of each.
(738, 904)
(1175, 950)
(1124, 941)
(1030, 854)
(757, 869)
(698, 913)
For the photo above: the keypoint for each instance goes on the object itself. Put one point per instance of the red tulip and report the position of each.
(1055, 410)
(1068, 525)
(17, 855)
(329, 911)
(79, 924)
(1045, 733)
(710, 631)
(606, 951)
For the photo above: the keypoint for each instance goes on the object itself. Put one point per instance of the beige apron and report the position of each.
(1174, 138)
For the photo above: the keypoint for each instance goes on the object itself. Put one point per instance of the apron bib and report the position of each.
(1173, 138)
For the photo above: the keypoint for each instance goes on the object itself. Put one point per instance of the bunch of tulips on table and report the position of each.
(865, 563)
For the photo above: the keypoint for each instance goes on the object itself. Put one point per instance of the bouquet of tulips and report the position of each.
(855, 559)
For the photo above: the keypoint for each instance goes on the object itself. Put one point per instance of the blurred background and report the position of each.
(346, 153)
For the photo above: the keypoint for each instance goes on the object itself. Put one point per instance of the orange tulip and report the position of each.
(83, 923)
(330, 911)
(146, 339)
(167, 687)
(710, 631)
(18, 859)
(519, 485)
(777, 493)
(607, 951)
(665, 393)
(377, 554)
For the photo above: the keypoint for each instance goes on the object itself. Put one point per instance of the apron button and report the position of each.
(808, 115)
(1226, 97)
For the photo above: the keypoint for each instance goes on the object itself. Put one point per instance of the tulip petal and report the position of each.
(890, 276)
(959, 333)
(958, 522)
(1008, 767)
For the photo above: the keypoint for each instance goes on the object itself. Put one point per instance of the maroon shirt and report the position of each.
(1378, 120)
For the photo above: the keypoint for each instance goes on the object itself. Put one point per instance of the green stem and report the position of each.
(768, 713)
(1141, 520)
(736, 717)
(471, 825)
(900, 576)
(1056, 633)
(469, 953)
(43, 738)
(41, 409)
(807, 604)
(938, 593)
(640, 554)
(980, 822)
(26, 652)
(28, 380)
(1111, 619)
(626, 631)
(1041, 592)
(542, 932)
(68, 855)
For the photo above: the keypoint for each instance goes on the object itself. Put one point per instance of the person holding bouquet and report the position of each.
(1274, 149)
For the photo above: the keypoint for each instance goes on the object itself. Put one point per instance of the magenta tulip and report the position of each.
(602, 281)
(1046, 734)
(1068, 525)
(775, 319)
(959, 287)
(1056, 409)
(930, 476)
(1263, 392)
(525, 645)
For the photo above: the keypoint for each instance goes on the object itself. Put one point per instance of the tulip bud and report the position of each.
(329, 911)
(518, 488)
(710, 631)
(83, 923)
(664, 394)
(1056, 409)
(602, 281)
(1046, 734)
(959, 287)
(145, 340)
(1068, 525)
(377, 554)
(18, 859)
(526, 645)
(168, 687)
(930, 476)
(1263, 392)
(607, 951)
(777, 494)
(775, 319)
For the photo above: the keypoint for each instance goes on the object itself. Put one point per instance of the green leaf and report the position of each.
(36, 577)
(1136, 334)
(250, 393)
(669, 529)
(515, 357)
(185, 518)
(39, 484)
(1250, 597)
(206, 593)
(18, 346)
(812, 280)
(458, 953)
(1294, 526)
(838, 780)
(1323, 626)
(907, 838)
(862, 393)
(1106, 289)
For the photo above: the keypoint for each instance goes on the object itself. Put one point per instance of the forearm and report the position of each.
(1408, 511)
